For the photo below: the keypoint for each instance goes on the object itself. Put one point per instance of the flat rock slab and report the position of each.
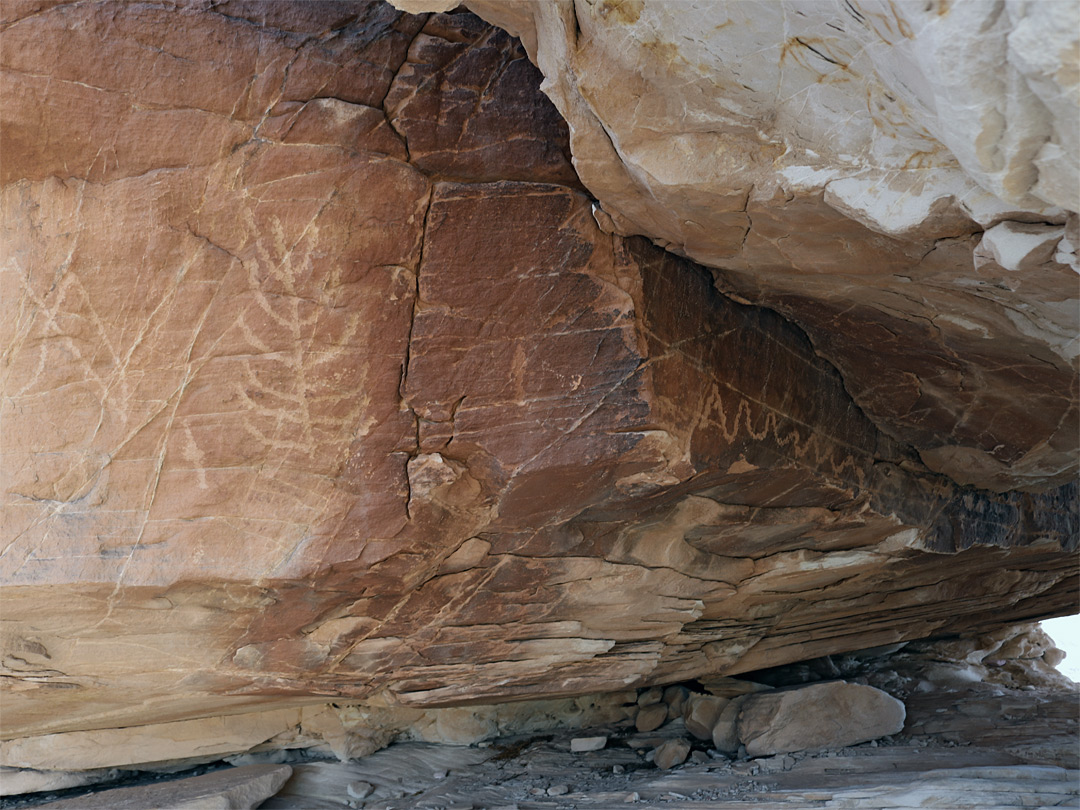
(14, 781)
(407, 769)
(580, 745)
(233, 789)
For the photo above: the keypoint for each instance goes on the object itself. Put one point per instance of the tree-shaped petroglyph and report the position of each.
(303, 385)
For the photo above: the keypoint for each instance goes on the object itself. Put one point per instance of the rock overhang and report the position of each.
(384, 415)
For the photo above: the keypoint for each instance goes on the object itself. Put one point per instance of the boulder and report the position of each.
(725, 732)
(671, 753)
(581, 745)
(701, 713)
(817, 717)
(675, 698)
(651, 717)
(650, 696)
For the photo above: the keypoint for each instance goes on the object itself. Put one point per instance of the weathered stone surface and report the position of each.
(210, 738)
(817, 717)
(725, 733)
(650, 696)
(998, 740)
(14, 781)
(342, 730)
(310, 401)
(582, 744)
(675, 698)
(896, 178)
(233, 789)
(465, 104)
(701, 714)
(651, 717)
(672, 753)
(1017, 657)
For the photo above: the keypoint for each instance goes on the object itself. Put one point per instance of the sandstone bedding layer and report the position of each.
(1005, 739)
(322, 381)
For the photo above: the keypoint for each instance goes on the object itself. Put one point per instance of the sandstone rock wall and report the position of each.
(321, 380)
(900, 179)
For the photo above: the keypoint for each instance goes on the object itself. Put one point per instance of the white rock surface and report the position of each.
(889, 106)
(581, 745)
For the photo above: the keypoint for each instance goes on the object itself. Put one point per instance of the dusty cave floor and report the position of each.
(980, 746)
(895, 774)
(969, 745)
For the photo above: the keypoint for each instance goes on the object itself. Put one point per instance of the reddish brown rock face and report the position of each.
(320, 379)
(990, 407)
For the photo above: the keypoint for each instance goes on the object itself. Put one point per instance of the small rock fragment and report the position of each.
(671, 753)
(582, 744)
(439, 775)
(633, 797)
(359, 790)
(699, 757)
(617, 769)
(558, 790)
(651, 717)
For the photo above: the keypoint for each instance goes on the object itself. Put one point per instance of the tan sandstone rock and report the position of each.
(309, 402)
(651, 717)
(14, 781)
(856, 166)
(675, 697)
(671, 753)
(232, 789)
(701, 713)
(725, 732)
(817, 717)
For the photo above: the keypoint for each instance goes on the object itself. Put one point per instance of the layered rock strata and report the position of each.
(321, 381)
(900, 179)
(1004, 738)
